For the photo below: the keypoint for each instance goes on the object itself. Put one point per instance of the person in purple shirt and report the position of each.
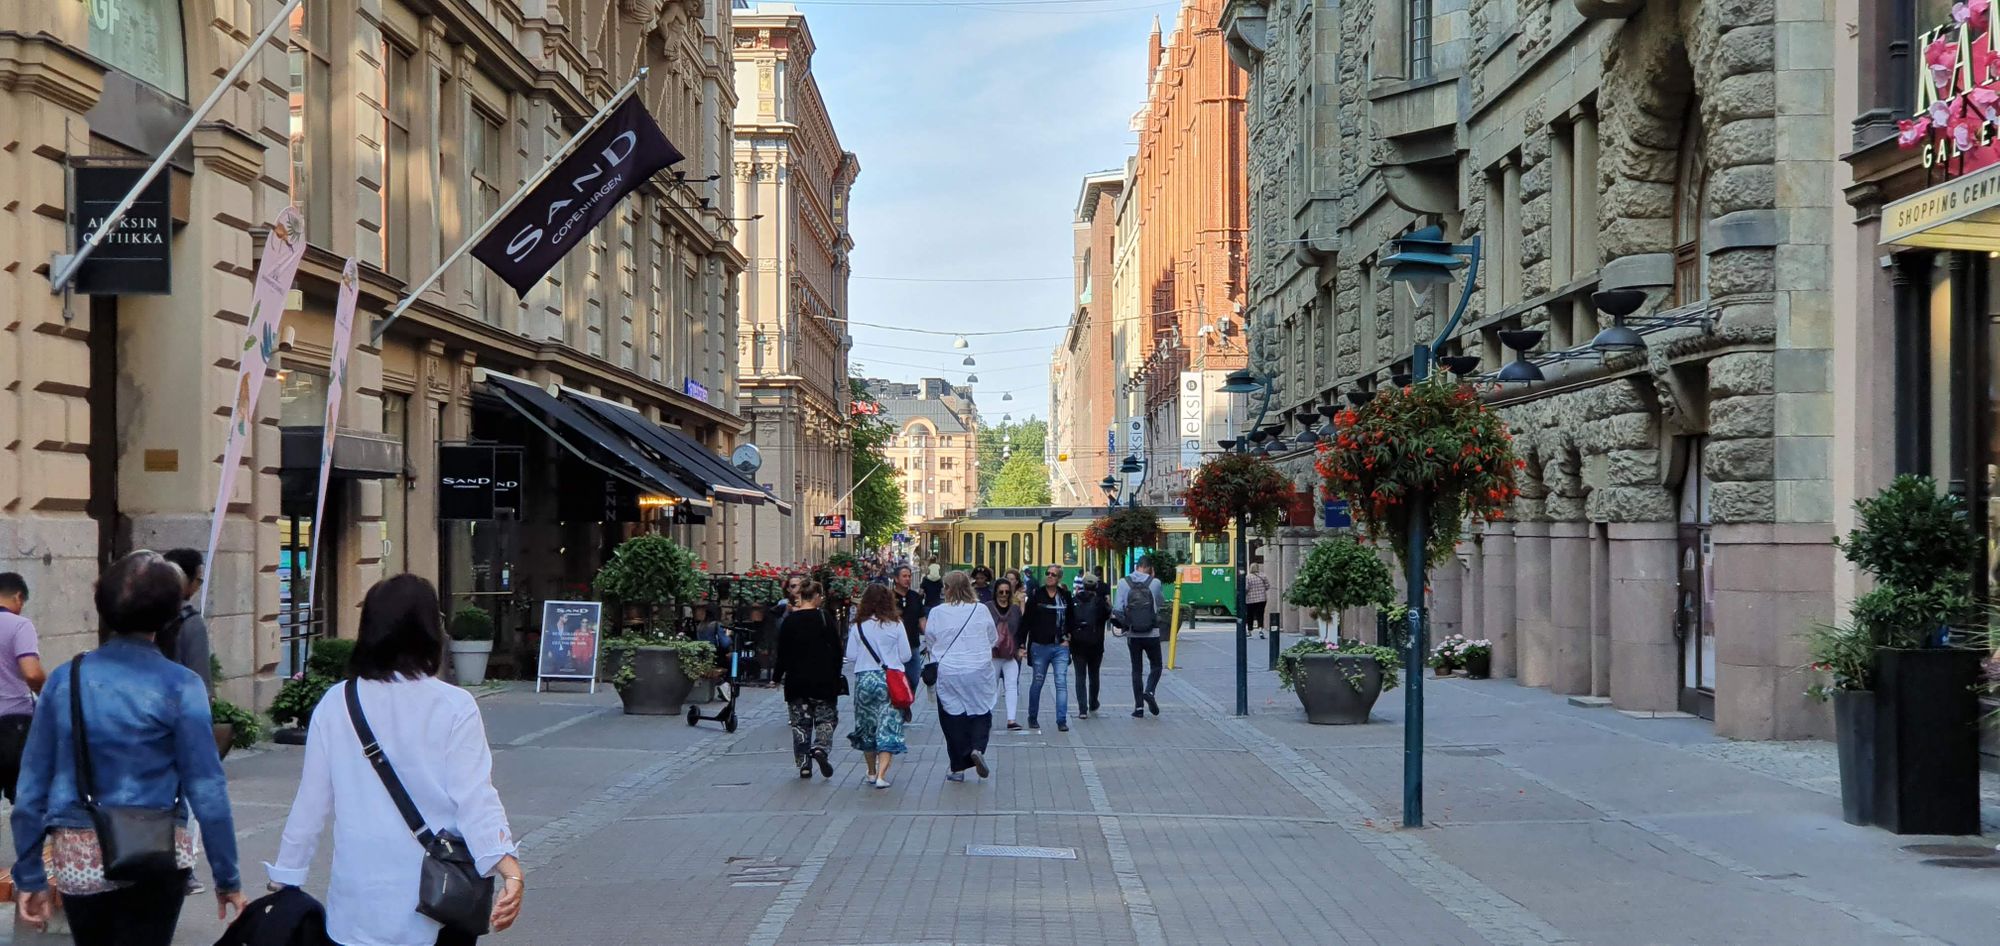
(21, 677)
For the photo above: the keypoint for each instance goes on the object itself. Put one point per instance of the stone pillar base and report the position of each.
(1569, 607)
(1645, 661)
(1771, 583)
(1531, 602)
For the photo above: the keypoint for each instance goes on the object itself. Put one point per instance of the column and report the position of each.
(1497, 597)
(1447, 587)
(1472, 594)
(1600, 610)
(1644, 656)
(1770, 580)
(1531, 602)
(1569, 607)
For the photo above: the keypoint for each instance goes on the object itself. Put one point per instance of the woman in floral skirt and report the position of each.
(875, 643)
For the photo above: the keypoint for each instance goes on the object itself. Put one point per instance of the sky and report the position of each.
(975, 126)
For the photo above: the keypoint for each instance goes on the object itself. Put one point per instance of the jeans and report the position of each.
(1144, 649)
(1087, 658)
(1044, 656)
(143, 914)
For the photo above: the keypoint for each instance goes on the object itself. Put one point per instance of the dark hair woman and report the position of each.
(808, 664)
(148, 743)
(434, 739)
(874, 644)
(1007, 649)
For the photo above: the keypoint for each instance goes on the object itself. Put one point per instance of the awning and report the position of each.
(1959, 214)
(573, 428)
(685, 453)
(357, 454)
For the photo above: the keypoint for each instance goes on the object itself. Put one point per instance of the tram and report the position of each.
(1038, 536)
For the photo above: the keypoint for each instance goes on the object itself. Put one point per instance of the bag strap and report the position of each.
(86, 779)
(863, 634)
(373, 750)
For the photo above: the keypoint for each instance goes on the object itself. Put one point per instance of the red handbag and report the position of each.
(900, 694)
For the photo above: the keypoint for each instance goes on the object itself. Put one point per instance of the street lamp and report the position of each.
(1423, 258)
(1109, 484)
(1256, 440)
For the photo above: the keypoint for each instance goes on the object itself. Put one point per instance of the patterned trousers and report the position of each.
(812, 727)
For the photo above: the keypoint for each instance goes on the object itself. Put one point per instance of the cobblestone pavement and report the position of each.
(1549, 824)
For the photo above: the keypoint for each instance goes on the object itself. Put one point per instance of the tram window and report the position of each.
(1014, 550)
(1214, 552)
(1029, 547)
(1069, 549)
(1179, 543)
(966, 559)
(979, 551)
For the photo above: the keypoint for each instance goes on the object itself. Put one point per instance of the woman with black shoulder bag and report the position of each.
(961, 635)
(810, 654)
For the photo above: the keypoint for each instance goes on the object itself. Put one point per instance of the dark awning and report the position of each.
(575, 429)
(685, 453)
(357, 454)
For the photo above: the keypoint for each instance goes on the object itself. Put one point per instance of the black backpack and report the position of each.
(1142, 613)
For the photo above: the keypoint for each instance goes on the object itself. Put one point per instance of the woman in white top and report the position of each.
(433, 737)
(961, 635)
(875, 644)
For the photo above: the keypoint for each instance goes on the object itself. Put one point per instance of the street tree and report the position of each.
(878, 499)
(1023, 481)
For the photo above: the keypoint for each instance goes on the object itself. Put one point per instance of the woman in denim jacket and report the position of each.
(152, 745)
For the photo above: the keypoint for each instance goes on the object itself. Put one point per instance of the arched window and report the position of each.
(1691, 211)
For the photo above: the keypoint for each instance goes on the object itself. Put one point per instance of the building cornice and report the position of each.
(47, 67)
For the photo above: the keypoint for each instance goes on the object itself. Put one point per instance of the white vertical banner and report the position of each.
(1193, 422)
(336, 383)
(283, 250)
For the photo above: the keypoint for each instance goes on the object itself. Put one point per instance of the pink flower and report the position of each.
(1942, 57)
(1986, 102)
(1978, 13)
(1963, 129)
(1909, 131)
(1940, 112)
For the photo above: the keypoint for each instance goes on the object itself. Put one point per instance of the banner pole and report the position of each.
(66, 265)
(617, 99)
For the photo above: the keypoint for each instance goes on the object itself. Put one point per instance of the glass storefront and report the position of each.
(143, 39)
(1948, 382)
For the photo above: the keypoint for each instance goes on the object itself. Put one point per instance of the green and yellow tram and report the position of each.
(1032, 538)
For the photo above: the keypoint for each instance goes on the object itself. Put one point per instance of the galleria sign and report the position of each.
(1958, 92)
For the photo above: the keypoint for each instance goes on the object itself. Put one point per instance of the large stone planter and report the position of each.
(468, 659)
(1329, 697)
(1854, 737)
(1926, 749)
(658, 688)
(1479, 667)
(225, 738)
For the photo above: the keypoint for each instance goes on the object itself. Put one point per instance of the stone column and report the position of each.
(1531, 601)
(1569, 607)
(1447, 587)
(1473, 591)
(1600, 611)
(1497, 597)
(1644, 656)
(1770, 581)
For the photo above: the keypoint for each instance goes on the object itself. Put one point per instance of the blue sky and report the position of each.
(975, 127)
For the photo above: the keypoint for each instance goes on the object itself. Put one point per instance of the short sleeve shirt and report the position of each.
(911, 603)
(17, 640)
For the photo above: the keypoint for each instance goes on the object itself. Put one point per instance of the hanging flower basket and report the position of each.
(1237, 484)
(1127, 528)
(1432, 443)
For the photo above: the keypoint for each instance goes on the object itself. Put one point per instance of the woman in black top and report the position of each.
(809, 656)
(1086, 641)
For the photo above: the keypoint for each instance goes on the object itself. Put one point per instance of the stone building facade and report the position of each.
(1674, 533)
(395, 128)
(1082, 408)
(935, 450)
(792, 182)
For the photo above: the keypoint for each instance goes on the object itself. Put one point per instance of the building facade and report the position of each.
(395, 128)
(1680, 149)
(1188, 187)
(1081, 373)
(935, 450)
(792, 184)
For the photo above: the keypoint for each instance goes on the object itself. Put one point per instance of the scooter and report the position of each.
(727, 686)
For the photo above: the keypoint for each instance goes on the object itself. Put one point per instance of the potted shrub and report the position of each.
(326, 665)
(1445, 656)
(1845, 655)
(1923, 745)
(1340, 573)
(471, 644)
(235, 727)
(652, 668)
(1338, 682)
(1476, 658)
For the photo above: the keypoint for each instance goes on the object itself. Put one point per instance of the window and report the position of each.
(947, 485)
(483, 149)
(967, 556)
(143, 39)
(396, 492)
(1215, 552)
(311, 127)
(399, 160)
(1690, 211)
(948, 463)
(1418, 31)
(1179, 543)
(1069, 548)
(301, 398)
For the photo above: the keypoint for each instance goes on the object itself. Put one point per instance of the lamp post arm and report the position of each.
(1476, 248)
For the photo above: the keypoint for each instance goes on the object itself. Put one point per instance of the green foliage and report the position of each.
(1023, 481)
(878, 498)
(1340, 573)
(842, 560)
(1233, 485)
(1913, 536)
(1166, 564)
(1029, 437)
(297, 698)
(697, 657)
(1129, 527)
(330, 657)
(649, 571)
(1289, 671)
(471, 624)
(1845, 653)
(248, 729)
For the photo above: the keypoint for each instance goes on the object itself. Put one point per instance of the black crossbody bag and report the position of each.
(931, 668)
(450, 889)
(136, 843)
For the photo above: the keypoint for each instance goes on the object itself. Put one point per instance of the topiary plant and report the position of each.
(1911, 535)
(1340, 573)
(471, 624)
(649, 572)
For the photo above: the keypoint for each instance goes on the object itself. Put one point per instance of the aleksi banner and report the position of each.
(619, 156)
(336, 382)
(283, 250)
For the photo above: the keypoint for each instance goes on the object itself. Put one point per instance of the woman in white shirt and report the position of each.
(874, 644)
(961, 635)
(433, 737)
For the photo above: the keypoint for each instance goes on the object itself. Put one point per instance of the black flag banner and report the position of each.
(620, 155)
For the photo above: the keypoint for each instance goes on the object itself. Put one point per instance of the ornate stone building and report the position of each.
(1674, 533)
(792, 183)
(935, 451)
(1082, 407)
(395, 128)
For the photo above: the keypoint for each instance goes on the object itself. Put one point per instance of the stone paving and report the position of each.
(1548, 824)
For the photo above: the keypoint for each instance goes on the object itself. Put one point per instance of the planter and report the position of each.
(225, 738)
(290, 736)
(1479, 668)
(1926, 749)
(659, 688)
(1443, 671)
(1327, 695)
(1854, 735)
(703, 692)
(468, 660)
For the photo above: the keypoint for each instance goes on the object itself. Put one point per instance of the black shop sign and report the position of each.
(479, 481)
(135, 257)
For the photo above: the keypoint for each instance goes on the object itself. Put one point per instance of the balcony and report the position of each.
(1419, 121)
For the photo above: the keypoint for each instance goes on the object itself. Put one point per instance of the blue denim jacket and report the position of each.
(150, 737)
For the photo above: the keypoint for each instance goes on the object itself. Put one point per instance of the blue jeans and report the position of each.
(1044, 656)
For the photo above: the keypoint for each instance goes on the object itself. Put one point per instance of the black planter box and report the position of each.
(1927, 741)
(1854, 734)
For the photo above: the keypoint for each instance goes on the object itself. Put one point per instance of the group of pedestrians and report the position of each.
(114, 770)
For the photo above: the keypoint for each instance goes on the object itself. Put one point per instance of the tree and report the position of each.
(1023, 481)
(996, 449)
(878, 498)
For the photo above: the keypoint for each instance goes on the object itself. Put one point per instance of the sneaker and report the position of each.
(1152, 704)
(806, 769)
(881, 782)
(1034, 724)
(1138, 714)
(1082, 714)
(955, 777)
(1013, 726)
(1062, 726)
(979, 764)
(825, 764)
(195, 886)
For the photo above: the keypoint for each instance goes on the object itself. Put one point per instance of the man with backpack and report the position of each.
(1136, 610)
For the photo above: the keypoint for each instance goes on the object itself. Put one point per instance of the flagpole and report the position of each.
(66, 265)
(382, 324)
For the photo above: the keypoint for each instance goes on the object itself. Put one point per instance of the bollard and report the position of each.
(1274, 622)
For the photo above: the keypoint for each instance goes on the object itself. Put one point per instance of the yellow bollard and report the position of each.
(1174, 624)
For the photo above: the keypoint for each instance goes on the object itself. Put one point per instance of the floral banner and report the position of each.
(336, 383)
(283, 251)
(1958, 92)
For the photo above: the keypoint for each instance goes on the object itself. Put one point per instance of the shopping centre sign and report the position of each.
(1958, 93)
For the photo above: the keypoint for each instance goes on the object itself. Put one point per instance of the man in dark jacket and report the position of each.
(910, 602)
(1045, 635)
(1086, 640)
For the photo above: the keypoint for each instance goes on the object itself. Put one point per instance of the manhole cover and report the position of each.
(1952, 850)
(1021, 850)
(1474, 751)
